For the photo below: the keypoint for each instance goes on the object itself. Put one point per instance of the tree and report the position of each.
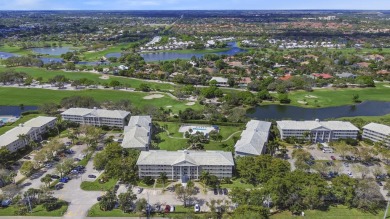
(283, 98)
(250, 211)
(48, 108)
(126, 200)
(47, 180)
(27, 168)
(108, 201)
(185, 194)
(355, 98)
(115, 84)
(64, 167)
(140, 205)
(368, 196)
(163, 178)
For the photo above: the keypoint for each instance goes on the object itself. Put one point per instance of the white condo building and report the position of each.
(317, 131)
(253, 139)
(185, 164)
(32, 130)
(377, 133)
(137, 134)
(96, 117)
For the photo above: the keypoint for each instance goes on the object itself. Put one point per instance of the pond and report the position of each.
(53, 51)
(172, 55)
(15, 110)
(279, 112)
(6, 55)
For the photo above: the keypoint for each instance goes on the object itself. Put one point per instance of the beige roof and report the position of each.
(39, 121)
(253, 138)
(13, 135)
(310, 125)
(198, 158)
(379, 128)
(137, 133)
(96, 113)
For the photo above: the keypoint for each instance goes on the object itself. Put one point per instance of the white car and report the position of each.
(197, 208)
(350, 174)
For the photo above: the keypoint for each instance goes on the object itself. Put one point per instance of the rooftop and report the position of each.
(137, 133)
(376, 127)
(310, 125)
(253, 138)
(13, 135)
(197, 158)
(39, 121)
(96, 113)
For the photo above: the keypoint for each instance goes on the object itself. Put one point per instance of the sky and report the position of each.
(192, 4)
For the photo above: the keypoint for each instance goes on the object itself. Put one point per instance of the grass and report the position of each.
(339, 97)
(23, 119)
(36, 97)
(96, 186)
(338, 212)
(237, 184)
(94, 56)
(47, 74)
(38, 211)
(369, 118)
(174, 144)
(15, 49)
(95, 211)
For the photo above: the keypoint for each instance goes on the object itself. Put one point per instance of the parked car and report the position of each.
(91, 176)
(172, 208)
(59, 186)
(197, 208)
(76, 159)
(350, 174)
(215, 191)
(27, 157)
(139, 190)
(99, 198)
(64, 179)
(333, 157)
(6, 203)
(167, 208)
(346, 164)
(379, 183)
(54, 176)
(225, 191)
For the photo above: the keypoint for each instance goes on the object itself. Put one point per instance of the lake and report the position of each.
(172, 55)
(6, 55)
(53, 51)
(279, 112)
(15, 110)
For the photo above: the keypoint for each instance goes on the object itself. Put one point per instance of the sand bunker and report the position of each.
(168, 106)
(190, 103)
(153, 96)
(105, 77)
(311, 96)
(302, 102)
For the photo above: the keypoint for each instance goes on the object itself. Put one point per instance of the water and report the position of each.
(279, 112)
(163, 56)
(15, 110)
(53, 51)
(6, 55)
(46, 60)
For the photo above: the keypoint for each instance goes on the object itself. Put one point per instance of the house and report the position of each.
(137, 134)
(244, 81)
(383, 72)
(286, 77)
(346, 75)
(96, 117)
(377, 133)
(317, 131)
(123, 67)
(32, 130)
(185, 164)
(363, 64)
(221, 82)
(253, 139)
(321, 75)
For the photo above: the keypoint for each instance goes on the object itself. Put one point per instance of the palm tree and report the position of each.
(205, 177)
(163, 178)
(24, 138)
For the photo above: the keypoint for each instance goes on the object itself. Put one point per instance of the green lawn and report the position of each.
(173, 144)
(37, 211)
(15, 49)
(339, 97)
(339, 212)
(369, 118)
(96, 186)
(23, 119)
(36, 97)
(95, 211)
(94, 56)
(46, 74)
(237, 184)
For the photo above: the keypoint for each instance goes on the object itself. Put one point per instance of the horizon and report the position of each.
(179, 5)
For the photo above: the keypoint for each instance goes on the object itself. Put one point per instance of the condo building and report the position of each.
(96, 117)
(253, 139)
(185, 165)
(137, 134)
(317, 131)
(32, 130)
(377, 133)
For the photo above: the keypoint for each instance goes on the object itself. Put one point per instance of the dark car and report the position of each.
(76, 159)
(333, 157)
(215, 191)
(225, 191)
(54, 176)
(59, 186)
(220, 191)
(91, 176)
(99, 198)
(379, 183)
(27, 157)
